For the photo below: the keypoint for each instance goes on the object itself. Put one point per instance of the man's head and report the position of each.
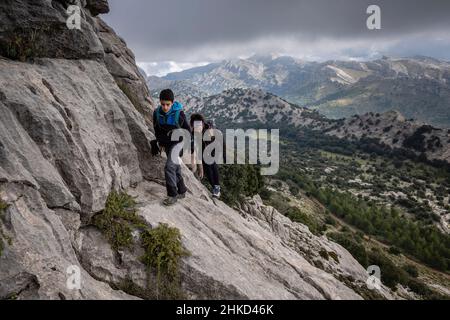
(166, 98)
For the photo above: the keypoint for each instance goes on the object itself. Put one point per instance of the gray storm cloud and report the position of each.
(202, 30)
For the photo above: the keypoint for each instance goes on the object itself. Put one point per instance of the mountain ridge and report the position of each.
(258, 108)
(418, 87)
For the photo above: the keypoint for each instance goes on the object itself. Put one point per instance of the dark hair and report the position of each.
(197, 117)
(167, 95)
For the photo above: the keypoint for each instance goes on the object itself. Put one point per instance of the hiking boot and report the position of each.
(181, 195)
(170, 201)
(216, 192)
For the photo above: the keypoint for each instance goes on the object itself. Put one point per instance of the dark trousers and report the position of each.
(174, 180)
(211, 172)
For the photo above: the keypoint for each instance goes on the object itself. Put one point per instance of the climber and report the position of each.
(200, 125)
(166, 118)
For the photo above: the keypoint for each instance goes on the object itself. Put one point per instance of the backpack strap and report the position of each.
(158, 115)
(177, 118)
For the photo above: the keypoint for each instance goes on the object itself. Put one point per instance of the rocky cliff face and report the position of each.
(73, 128)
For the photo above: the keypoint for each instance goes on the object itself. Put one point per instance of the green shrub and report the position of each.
(334, 256)
(265, 194)
(3, 207)
(318, 264)
(162, 245)
(394, 250)
(330, 220)
(3, 237)
(352, 245)
(163, 251)
(119, 219)
(391, 275)
(23, 44)
(296, 215)
(420, 288)
(294, 190)
(278, 184)
(19, 49)
(239, 181)
(411, 270)
(324, 254)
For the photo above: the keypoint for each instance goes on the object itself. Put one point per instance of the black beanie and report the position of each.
(167, 95)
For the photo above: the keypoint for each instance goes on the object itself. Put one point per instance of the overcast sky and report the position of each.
(171, 35)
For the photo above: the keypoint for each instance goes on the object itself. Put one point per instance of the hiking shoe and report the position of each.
(216, 192)
(181, 195)
(170, 201)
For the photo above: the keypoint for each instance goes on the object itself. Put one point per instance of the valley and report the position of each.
(382, 194)
(375, 207)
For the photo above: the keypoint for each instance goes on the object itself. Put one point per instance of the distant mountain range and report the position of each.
(254, 108)
(417, 87)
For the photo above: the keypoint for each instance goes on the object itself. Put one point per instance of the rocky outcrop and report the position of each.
(120, 61)
(68, 137)
(77, 123)
(97, 7)
(37, 29)
(253, 254)
(318, 251)
(37, 264)
(33, 29)
(70, 133)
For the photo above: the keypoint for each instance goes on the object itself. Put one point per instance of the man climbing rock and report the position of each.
(166, 118)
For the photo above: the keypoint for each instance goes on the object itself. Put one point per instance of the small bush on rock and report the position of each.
(118, 220)
(163, 251)
(162, 245)
(3, 237)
